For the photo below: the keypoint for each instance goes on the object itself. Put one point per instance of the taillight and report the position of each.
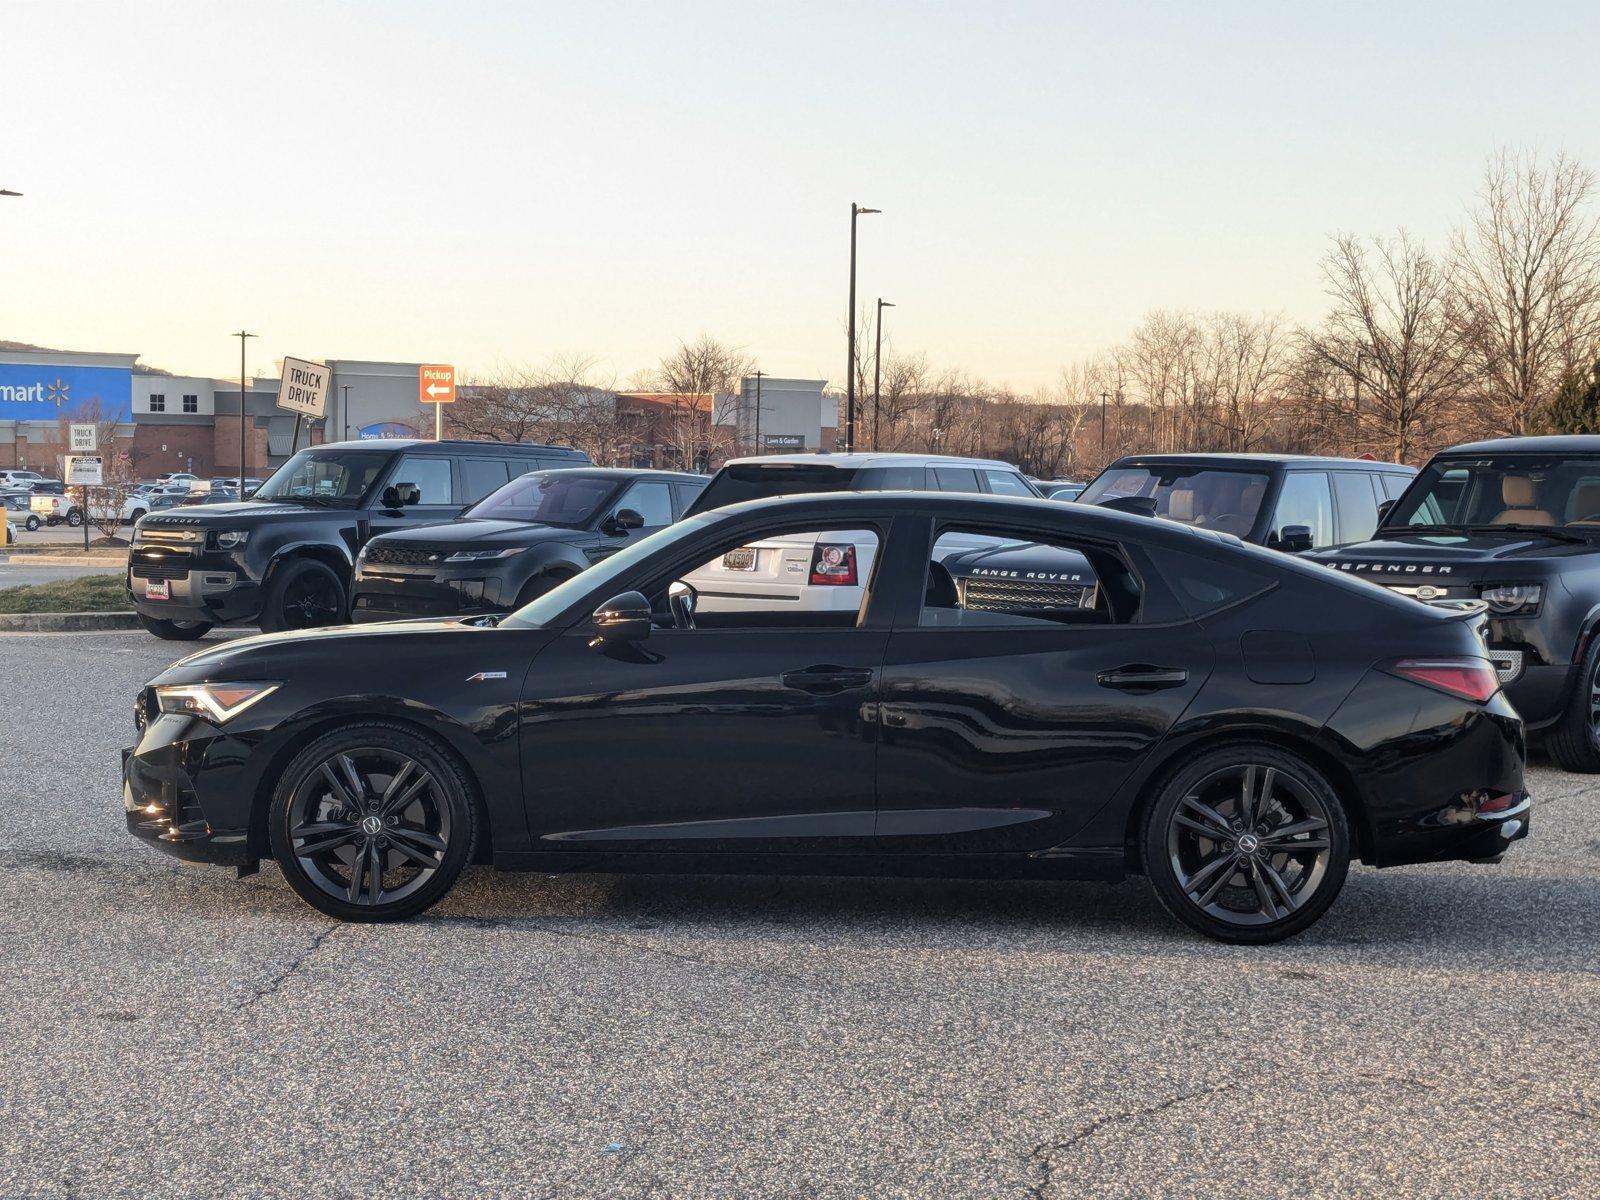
(1468, 678)
(833, 563)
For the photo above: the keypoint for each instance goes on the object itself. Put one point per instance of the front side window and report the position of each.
(650, 499)
(1531, 491)
(341, 477)
(1226, 501)
(1304, 500)
(431, 476)
(983, 577)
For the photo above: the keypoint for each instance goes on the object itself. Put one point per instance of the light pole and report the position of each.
(1104, 396)
(760, 375)
(877, 373)
(344, 412)
(241, 335)
(850, 374)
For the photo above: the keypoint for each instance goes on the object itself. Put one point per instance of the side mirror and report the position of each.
(400, 495)
(1139, 506)
(622, 619)
(681, 599)
(1383, 510)
(1295, 539)
(623, 520)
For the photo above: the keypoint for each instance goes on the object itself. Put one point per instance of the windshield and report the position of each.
(1510, 489)
(562, 498)
(329, 476)
(755, 481)
(553, 603)
(1205, 497)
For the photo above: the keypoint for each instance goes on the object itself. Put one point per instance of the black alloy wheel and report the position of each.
(175, 631)
(372, 822)
(303, 594)
(1247, 844)
(1574, 740)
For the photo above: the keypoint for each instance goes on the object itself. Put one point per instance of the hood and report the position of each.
(1025, 562)
(479, 532)
(1474, 554)
(237, 514)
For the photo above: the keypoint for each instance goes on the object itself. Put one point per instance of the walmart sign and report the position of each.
(41, 392)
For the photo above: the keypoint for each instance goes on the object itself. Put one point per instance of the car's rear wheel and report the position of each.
(372, 822)
(175, 631)
(1247, 843)
(303, 594)
(1574, 740)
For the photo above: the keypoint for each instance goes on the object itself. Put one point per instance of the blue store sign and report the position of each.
(43, 392)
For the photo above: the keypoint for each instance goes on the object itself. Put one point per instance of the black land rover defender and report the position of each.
(284, 557)
(1515, 523)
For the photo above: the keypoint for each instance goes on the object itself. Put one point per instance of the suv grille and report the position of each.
(1024, 595)
(404, 556)
(165, 566)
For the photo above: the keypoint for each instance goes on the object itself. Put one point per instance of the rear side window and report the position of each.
(1004, 483)
(480, 476)
(1358, 505)
(1393, 484)
(1206, 584)
(431, 475)
(686, 494)
(954, 479)
(890, 479)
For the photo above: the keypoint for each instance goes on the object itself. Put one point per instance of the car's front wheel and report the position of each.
(31, 524)
(1247, 843)
(303, 594)
(174, 631)
(372, 822)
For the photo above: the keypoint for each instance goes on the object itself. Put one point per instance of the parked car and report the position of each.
(47, 487)
(1191, 725)
(517, 543)
(824, 570)
(175, 476)
(15, 477)
(53, 509)
(1513, 523)
(285, 557)
(1282, 501)
(18, 506)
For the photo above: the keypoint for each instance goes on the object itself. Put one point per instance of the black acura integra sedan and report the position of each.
(1190, 723)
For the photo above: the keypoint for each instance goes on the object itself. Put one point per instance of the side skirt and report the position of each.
(1097, 863)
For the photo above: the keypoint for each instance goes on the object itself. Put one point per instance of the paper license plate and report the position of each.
(742, 559)
(157, 589)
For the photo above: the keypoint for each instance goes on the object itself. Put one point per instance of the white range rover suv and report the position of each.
(825, 571)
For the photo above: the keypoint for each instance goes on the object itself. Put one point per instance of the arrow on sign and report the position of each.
(435, 390)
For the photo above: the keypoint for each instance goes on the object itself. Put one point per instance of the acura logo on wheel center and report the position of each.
(1248, 843)
(371, 825)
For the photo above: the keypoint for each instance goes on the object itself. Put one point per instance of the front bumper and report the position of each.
(400, 593)
(198, 589)
(185, 792)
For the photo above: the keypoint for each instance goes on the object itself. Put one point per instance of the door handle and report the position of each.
(825, 680)
(1141, 677)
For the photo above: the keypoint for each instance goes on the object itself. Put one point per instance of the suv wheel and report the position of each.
(542, 583)
(304, 594)
(1247, 844)
(372, 823)
(32, 523)
(175, 631)
(1574, 740)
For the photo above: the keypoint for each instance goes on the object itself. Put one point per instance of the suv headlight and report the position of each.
(227, 539)
(484, 555)
(1512, 599)
(214, 702)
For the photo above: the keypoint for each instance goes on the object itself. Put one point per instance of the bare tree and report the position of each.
(1242, 364)
(1392, 332)
(703, 366)
(561, 401)
(1526, 270)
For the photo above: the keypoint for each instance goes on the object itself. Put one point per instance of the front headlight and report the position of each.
(483, 555)
(227, 539)
(214, 702)
(1512, 599)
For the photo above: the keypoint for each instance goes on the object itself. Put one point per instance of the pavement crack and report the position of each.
(1045, 1152)
(274, 984)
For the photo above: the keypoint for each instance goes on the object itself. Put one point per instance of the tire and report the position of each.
(137, 513)
(74, 518)
(327, 838)
(175, 631)
(1235, 887)
(1574, 740)
(542, 583)
(304, 594)
(31, 524)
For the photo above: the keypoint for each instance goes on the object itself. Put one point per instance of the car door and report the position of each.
(1011, 715)
(434, 477)
(755, 732)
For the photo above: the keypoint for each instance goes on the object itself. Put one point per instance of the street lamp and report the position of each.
(1104, 396)
(760, 375)
(850, 375)
(877, 372)
(241, 335)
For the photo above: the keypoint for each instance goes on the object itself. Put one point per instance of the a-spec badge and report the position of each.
(483, 675)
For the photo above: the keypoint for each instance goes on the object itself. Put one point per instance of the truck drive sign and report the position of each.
(304, 387)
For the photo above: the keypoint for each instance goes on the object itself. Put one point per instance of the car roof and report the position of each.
(1236, 461)
(626, 473)
(446, 444)
(869, 459)
(1570, 443)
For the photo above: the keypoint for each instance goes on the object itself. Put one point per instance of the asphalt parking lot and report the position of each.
(171, 1030)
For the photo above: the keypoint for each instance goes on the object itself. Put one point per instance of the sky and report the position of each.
(497, 184)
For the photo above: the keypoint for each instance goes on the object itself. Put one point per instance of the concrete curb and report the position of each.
(67, 622)
(25, 559)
